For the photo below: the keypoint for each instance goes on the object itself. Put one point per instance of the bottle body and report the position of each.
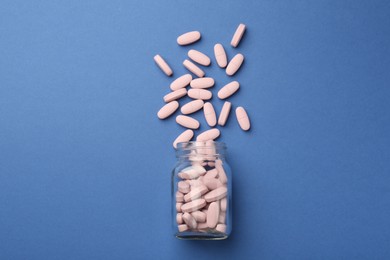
(201, 192)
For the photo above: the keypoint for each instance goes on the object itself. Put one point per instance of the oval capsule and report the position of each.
(206, 82)
(181, 82)
(189, 220)
(243, 119)
(220, 55)
(228, 90)
(238, 35)
(186, 136)
(199, 216)
(209, 135)
(199, 57)
(163, 65)
(209, 114)
(200, 94)
(213, 215)
(175, 95)
(217, 194)
(234, 64)
(223, 116)
(187, 121)
(193, 68)
(192, 106)
(188, 38)
(193, 205)
(168, 109)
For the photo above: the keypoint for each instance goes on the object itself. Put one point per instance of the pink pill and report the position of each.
(175, 95)
(209, 135)
(181, 82)
(216, 194)
(212, 183)
(195, 193)
(179, 197)
(192, 107)
(243, 119)
(199, 57)
(183, 187)
(206, 82)
(186, 136)
(200, 94)
(168, 109)
(193, 205)
(182, 228)
(193, 68)
(211, 174)
(179, 218)
(189, 220)
(199, 216)
(195, 183)
(222, 217)
(220, 55)
(212, 215)
(210, 151)
(163, 65)
(187, 121)
(192, 172)
(209, 114)
(228, 90)
(238, 35)
(234, 64)
(221, 228)
(188, 38)
(223, 204)
(223, 116)
(178, 206)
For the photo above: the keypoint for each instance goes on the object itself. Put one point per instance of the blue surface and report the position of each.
(85, 163)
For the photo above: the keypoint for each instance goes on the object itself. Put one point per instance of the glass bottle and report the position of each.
(201, 192)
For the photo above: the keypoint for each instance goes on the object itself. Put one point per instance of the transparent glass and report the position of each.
(201, 192)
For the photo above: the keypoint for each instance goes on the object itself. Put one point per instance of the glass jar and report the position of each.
(201, 192)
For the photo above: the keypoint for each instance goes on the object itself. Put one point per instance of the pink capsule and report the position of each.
(209, 113)
(243, 119)
(206, 82)
(199, 57)
(212, 215)
(181, 82)
(223, 116)
(187, 121)
(163, 65)
(188, 38)
(220, 55)
(209, 135)
(175, 95)
(203, 94)
(192, 106)
(238, 35)
(168, 109)
(193, 68)
(228, 90)
(186, 136)
(234, 64)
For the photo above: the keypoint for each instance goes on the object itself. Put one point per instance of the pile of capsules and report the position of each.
(201, 199)
(198, 90)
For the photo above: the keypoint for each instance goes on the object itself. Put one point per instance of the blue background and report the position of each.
(85, 163)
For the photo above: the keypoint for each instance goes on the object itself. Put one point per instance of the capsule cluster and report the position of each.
(199, 86)
(201, 199)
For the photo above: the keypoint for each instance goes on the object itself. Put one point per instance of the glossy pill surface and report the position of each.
(228, 90)
(209, 135)
(192, 106)
(188, 38)
(163, 65)
(193, 68)
(238, 35)
(243, 119)
(199, 57)
(175, 95)
(220, 55)
(202, 83)
(181, 82)
(223, 116)
(186, 136)
(235, 64)
(187, 121)
(168, 110)
(200, 94)
(209, 113)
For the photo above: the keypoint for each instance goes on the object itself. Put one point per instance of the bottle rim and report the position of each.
(194, 149)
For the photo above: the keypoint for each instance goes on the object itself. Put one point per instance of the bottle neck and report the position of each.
(201, 151)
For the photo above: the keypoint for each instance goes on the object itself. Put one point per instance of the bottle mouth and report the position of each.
(201, 150)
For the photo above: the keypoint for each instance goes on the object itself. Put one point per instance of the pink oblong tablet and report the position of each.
(223, 116)
(193, 205)
(192, 106)
(188, 38)
(199, 216)
(202, 83)
(199, 57)
(189, 220)
(209, 135)
(181, 82)
(216, 194)
(192, 172)
(182, 227)
(186, 136)
(223, 204)
(175, 95)
(183, 187)
(163, 65)
(187, 121)
(220, 55)
(179, 218)
(243, 119)
(209, 114)
(228, 90)
(193, 68)
(168, 109)
(213, 215)
(211, 174)
(195, 193)
(238, 35)
(221, 228)
(200, 94)
(234, 64)
(212, 183)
